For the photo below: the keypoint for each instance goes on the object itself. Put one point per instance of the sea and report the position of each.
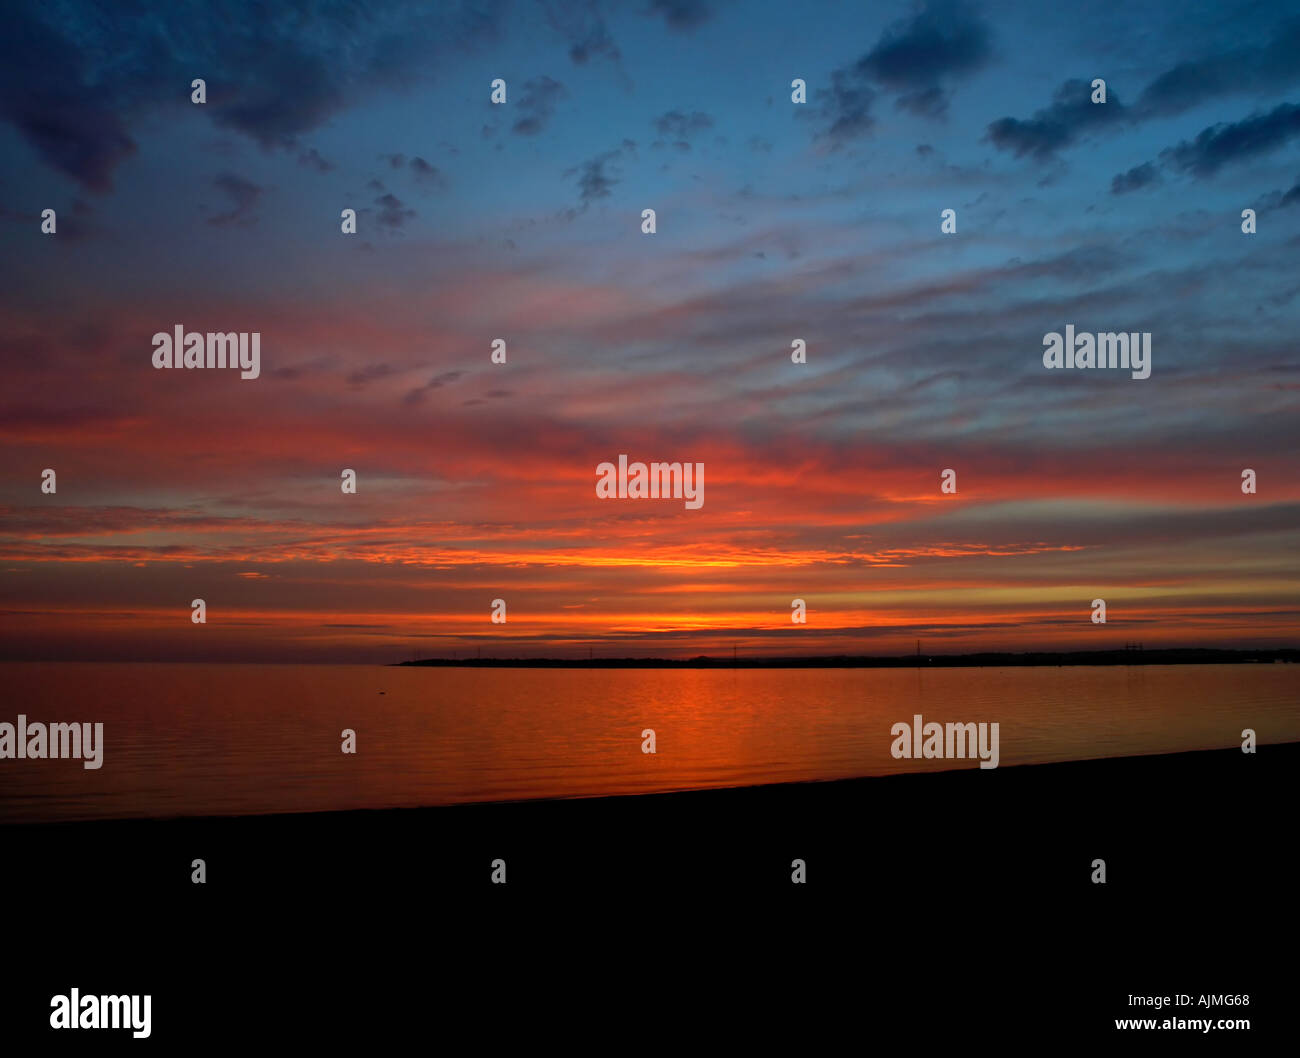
(235, 739)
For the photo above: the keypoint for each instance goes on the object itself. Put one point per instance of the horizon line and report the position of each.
(1131, 655)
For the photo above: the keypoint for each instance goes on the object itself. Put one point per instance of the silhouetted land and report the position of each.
(963, 897)
(1172, 656)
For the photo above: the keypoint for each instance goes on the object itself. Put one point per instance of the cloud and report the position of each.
(677, 125)
(916, 57)
(1220, 144)
(71, 81)
(583, 26)
(1138, 177)
(369, 373)
(596, 42)
(846, 105)
(46, 94)
(915, 60)
(681, 15)
(537, 104)
(392, 211)
(1291, 197)
(1281, 200)
(417, 395)
(595, 179)
(1181, 87)
(243, 193)
(1051, 129)
(313, 159)
(277, 100)
(1242, 70)
(426, 173)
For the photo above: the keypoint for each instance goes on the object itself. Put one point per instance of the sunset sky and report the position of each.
(776, 221)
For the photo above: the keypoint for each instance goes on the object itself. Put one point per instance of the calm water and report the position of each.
(237, 739)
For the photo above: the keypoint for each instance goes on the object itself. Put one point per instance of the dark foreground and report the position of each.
(956, 905)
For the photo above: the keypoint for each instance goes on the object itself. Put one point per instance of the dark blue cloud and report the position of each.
(596, 178)
(47, 94)
(243, 195)
(1138, 177)
(1226, 142)
(1071, 114)
(72, 79)
(682, 15)
(597, 42)
(846, 107)
(581, 23)
(313, 160)
(426, 173)
(393, 212)
(536, 104)
(1237, 71)
(676, 125)
(679, 127)
(917, 57)
(1270, 66)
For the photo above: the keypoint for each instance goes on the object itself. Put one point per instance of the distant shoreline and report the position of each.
(1170, 656)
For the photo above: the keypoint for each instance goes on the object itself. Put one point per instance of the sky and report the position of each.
(775, 221)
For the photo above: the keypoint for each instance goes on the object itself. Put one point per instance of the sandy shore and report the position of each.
(983, 874)
(1008, 829)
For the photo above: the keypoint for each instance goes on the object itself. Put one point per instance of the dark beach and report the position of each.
(981, 874)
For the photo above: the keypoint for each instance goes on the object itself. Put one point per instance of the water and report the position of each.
(238, 739)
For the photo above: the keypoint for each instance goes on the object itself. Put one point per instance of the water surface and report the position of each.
(186, 739)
